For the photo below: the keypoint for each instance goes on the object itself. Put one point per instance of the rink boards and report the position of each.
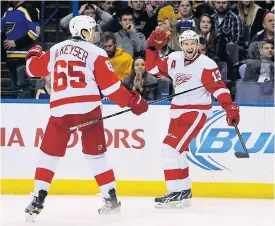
(134, 151)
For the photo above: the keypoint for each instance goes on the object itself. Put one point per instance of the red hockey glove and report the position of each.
(232, 114)
(158, 39)
(137, 104)
(34, 51)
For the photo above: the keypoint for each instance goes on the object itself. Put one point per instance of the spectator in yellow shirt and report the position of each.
(169, 10)
(120, 60)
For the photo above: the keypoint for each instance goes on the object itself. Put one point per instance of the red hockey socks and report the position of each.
(176, 170)
(44, 172)
(104, 175)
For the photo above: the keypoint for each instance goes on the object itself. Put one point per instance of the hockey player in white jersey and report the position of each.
(188, 69)
(77, 68)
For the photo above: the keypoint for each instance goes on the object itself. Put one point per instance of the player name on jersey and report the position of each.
(72, 50)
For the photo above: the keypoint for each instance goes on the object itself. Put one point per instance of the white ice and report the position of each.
(82, 211)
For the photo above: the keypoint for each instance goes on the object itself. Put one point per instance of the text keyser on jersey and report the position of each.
(118, 138)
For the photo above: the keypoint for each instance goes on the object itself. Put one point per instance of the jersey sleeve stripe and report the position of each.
(154, 70)
(33, 33)
(28, 72)
(30, 34)
(220, 91)
(111, 89)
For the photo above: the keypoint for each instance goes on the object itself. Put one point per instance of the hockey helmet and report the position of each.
(79, 23)
(189, 35)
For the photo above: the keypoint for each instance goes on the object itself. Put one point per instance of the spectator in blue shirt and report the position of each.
(20, 24)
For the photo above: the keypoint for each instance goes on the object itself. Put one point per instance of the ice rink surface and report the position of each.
(136, 211)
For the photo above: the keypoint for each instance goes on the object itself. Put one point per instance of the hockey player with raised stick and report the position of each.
(188, 69)
(77, 67)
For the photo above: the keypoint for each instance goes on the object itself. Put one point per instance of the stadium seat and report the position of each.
(242, 70)
(233, 52)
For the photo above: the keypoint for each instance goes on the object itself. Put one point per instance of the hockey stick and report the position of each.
(122, 112)
(244, 154)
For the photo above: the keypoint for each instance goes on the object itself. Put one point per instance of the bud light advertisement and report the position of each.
(215, 141)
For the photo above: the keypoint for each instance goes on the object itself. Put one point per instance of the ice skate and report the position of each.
(36, 205)
(174, 200)
(111, 204)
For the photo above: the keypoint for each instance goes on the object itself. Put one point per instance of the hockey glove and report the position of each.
(35, 51)
(137, 104)
(158, 39)
(232, 114)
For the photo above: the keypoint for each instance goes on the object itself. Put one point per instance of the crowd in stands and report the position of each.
(237, 35)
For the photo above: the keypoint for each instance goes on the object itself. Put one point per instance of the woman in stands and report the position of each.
(165, 84)
(252, 15)
(171, 25)
(216, 42)
(141, 81)
(206, 31)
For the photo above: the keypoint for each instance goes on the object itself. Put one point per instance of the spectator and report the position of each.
(216, 44)
(22, 28)
(98, 36)
(145, 19)
(45, 91)
(261, 70)
(205, 50)
(268, 32)
(186, 11)
(233, 5)
(251, 14)
(141, 81)
(111, 7)
(266, 49)
(155, 5)
(169, 9)
(206, 31)
(120, 60)
(127, 38)
(108, 6)
(103, 19)
(171, 24)
(203, 46)
(227, 23)
(203, 7)
(165, 83)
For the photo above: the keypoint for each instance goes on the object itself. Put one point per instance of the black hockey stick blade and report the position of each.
(241, 155)
(244, 154)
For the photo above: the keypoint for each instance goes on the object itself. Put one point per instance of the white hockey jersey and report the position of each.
(187, 75)
(77, 68)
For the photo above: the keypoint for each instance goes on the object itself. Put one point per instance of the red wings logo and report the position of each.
(182, 78)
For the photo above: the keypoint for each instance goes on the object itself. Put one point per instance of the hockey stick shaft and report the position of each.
(122, 112)
(244, 154)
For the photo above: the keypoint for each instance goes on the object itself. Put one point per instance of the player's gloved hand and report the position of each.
(158, 39)
(137, 104)
(34, 51)
(232, 114)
